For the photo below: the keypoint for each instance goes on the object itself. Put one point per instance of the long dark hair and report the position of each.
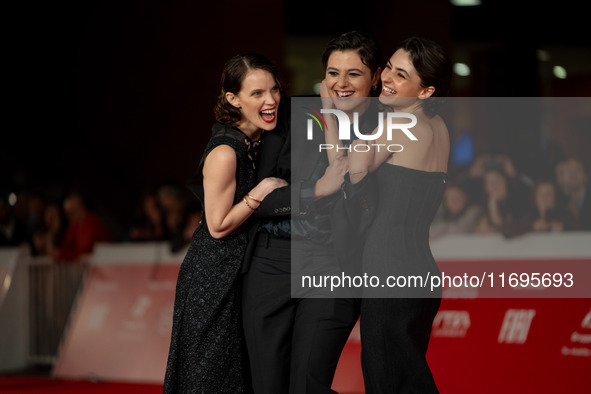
(234, 72)
(433, 66)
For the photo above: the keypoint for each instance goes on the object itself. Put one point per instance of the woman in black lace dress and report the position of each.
(206, 348)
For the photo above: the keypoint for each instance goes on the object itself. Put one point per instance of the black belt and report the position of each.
(267, 240)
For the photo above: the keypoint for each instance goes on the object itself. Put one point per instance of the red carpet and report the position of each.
(35, 385)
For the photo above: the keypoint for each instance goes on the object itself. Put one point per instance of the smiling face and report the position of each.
(570, 176)
(348, 80)
(400, 79)
(257, 100)
(495, 185)
(545, 196)
(455, 200)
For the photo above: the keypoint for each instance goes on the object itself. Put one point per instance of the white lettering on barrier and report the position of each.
(576, 351)
(452, 324)
(580, 338)
(586, 323)
(516, 325)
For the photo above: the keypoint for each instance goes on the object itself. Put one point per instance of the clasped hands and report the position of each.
(355, 163)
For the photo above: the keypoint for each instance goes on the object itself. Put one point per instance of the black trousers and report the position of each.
(294, 344)
(395, 334)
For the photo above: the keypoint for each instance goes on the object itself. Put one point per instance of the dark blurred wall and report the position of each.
(149, 76)
(117, 96)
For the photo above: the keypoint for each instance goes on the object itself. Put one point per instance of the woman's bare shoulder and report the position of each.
(221, 156)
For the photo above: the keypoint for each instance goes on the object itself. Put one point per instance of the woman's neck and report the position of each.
(250, 130)
(415, 107)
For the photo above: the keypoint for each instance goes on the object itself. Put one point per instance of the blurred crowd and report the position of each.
(67, 229)
(487, 196)
(490, 196)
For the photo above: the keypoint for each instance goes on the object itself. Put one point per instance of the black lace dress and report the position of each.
(207, 348)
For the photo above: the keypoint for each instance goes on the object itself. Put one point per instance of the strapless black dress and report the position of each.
(396, 322)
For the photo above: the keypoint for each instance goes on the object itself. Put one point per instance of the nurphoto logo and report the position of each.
(344, 126)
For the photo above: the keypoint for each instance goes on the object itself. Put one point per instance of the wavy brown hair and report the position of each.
(234, 72)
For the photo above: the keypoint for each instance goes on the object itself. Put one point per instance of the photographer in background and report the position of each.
(572, 181)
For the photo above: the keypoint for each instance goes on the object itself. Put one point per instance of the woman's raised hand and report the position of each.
(326, 99)
(360, 161)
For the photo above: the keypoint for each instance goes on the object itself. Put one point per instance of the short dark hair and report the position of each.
(432, 64)
(365, 45)
(234, 72)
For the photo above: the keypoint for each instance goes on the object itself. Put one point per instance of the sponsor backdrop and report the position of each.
(499, 346)
(120, 328)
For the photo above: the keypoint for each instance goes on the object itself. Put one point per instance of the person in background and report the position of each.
(148, 225)
(85, 228)
(48, 240)
(501, 202)
(572, 181)
(35, 220)
(457, 214)
(546, 212)
(485, 162)
(174, 215)
(13, 231)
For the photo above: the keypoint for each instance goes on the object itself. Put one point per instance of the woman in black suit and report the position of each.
(294, 343)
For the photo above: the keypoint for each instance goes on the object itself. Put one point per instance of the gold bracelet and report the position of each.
(246, 202)
(254, 199)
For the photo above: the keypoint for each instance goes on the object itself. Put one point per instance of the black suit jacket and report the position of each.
(350, 210)
(273, 159)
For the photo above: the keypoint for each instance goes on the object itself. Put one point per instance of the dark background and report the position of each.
(115, 97)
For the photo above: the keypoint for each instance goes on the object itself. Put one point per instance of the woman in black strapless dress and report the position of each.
(206, 349)
(396, 321)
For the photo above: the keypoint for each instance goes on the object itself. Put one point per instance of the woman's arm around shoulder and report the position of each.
(219, 184)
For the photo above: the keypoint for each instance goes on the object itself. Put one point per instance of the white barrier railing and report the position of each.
(53, 287)
(47, 290)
